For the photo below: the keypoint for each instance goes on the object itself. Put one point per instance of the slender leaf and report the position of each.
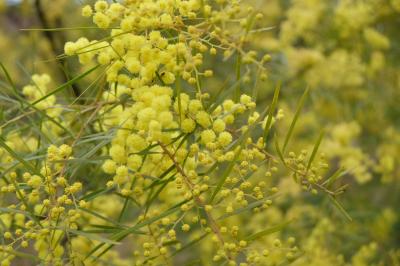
(268, 231)
(271, 110)
(238, 76)
(123, 233)
(340, 208)
(335, 176)
(278, 150)
(67, 84)
(224, 176)
(191, 243)
(90, 236)
(315, 150)
(296, 116)
(27, 165)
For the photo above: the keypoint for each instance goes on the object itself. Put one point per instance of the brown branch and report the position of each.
(52, 39)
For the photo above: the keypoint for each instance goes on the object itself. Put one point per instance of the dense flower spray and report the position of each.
(168, 157)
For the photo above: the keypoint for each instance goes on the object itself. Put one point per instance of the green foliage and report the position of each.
(181, 133)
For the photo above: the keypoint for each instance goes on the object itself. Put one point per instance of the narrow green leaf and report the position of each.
(155, 196)
(214, 98)
(109, 229)
(289, 262)
(59, 29)
(102, 231)
(27, 165)
(191, 243)
(123, 233)
(222, 94)
(315, 150)
(23, 101)
(9, 79)
(244, 209)
(106, 219)
(21, 254)
(340, 208)
(278, 150)
(296, 116)
(268, 231)
(238, 76)
(67, 84)
(25, 213)
(95, 194)
(224, 176)
(335, 176)
(90, 236)
(170, 243)
(160, 179)
(271, 110)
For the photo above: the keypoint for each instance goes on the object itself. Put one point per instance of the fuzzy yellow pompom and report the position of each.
(70, 48)
(136, 143)
(207, 136)
(168, 77)
(134, 161)
(101, 20)
(101, 6)
(109, 166)
(203, 118)
(65, 151)
(224, 138)
(219, 125)
(185, 227)
(117, 153)
(188, 125)
(122, 171)
(87, 11)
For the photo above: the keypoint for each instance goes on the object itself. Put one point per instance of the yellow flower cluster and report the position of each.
(39, 94)
(342, 50)
(51, 199)
(166, 153)
(161, 130)
(351, 158)
(149, 56)
(38, 89)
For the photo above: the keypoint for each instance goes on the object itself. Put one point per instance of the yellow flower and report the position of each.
(87, 11)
